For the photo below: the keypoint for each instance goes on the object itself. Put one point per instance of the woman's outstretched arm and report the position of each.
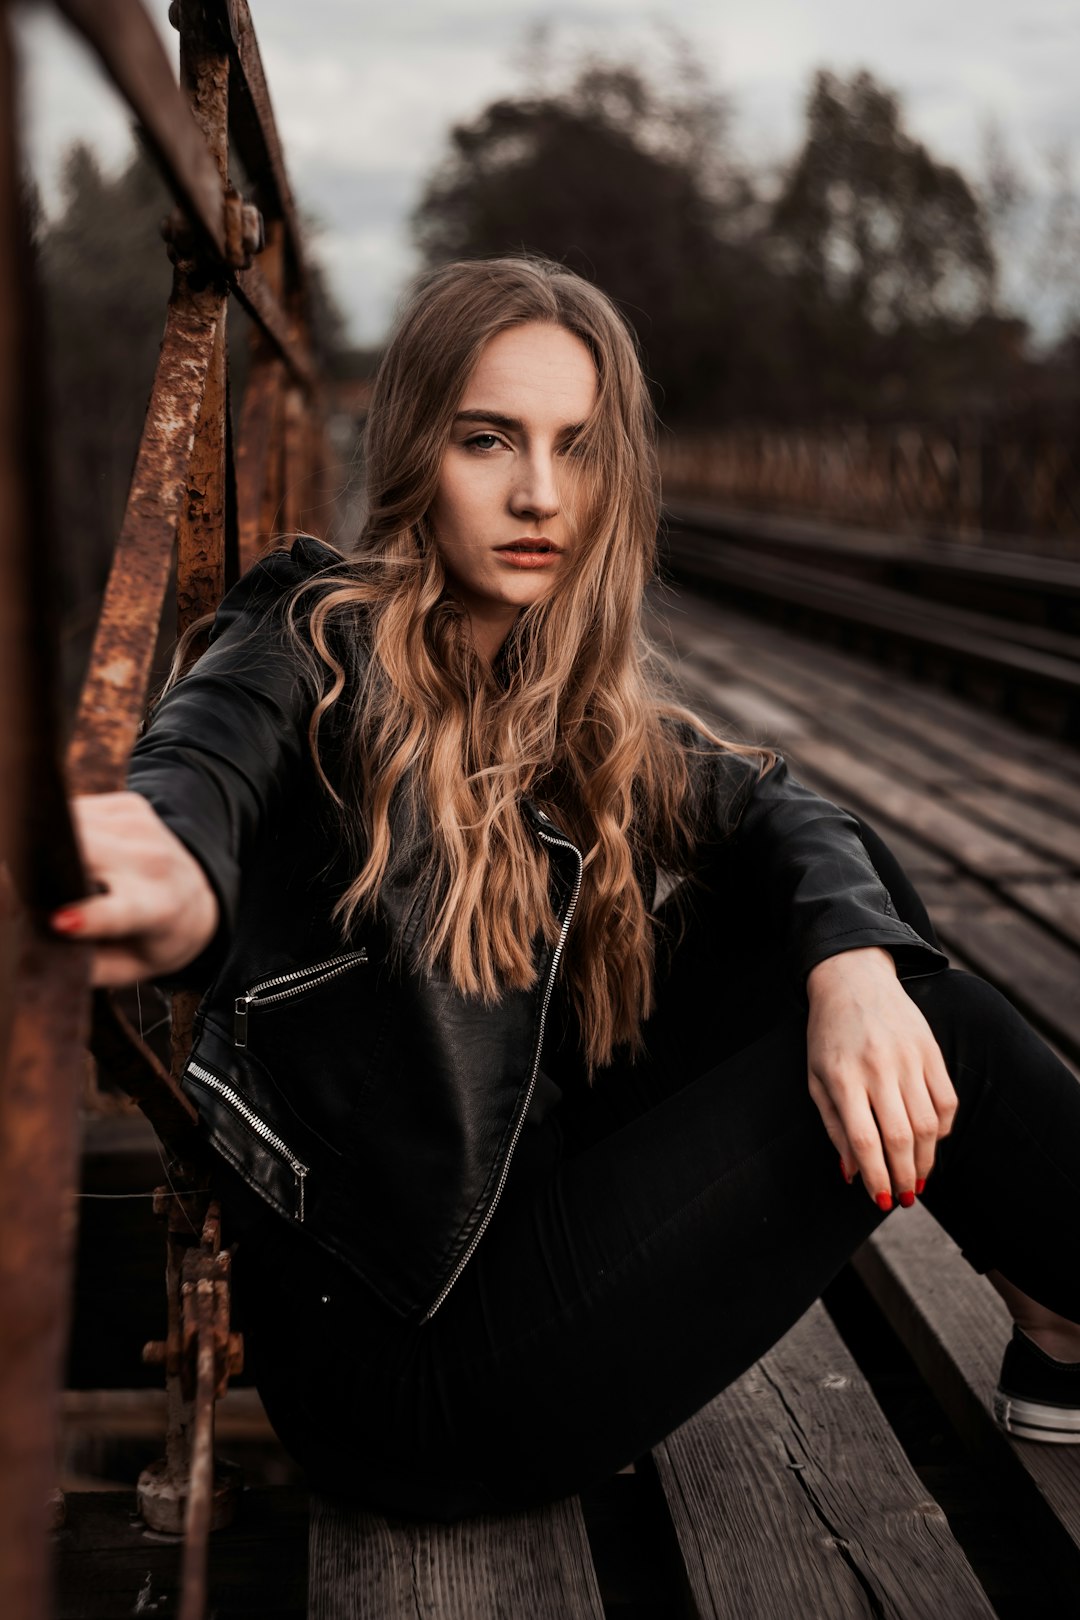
(158, 911)
(202, 780)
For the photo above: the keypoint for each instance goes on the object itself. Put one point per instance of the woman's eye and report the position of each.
(482, 441)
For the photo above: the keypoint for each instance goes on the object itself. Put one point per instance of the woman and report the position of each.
(522, 1161)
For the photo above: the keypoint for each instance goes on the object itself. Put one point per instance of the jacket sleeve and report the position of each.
(804, 855)
(222, 741)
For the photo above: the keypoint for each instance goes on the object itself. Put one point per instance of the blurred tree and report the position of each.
(633, 185)
(866, 286)
(1034, 219)
(871, 224)
(105, 281)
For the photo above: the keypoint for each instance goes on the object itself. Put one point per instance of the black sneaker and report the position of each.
(1037, 1398)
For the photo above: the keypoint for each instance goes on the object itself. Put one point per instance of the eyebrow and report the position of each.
(511, 424)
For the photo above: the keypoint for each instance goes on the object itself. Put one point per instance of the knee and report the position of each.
(975, 1025)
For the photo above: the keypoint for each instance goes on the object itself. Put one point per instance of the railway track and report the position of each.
(1001, 628)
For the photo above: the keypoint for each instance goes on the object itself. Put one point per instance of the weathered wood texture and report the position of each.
(486, 1568)
(971, 799)
(791, 1496)
(108, 1565)
(954, 1325)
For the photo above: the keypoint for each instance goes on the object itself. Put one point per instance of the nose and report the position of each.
(535, 493)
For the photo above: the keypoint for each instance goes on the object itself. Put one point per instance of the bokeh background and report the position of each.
(848, 235)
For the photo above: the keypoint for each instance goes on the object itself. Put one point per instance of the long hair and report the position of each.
(441, 747)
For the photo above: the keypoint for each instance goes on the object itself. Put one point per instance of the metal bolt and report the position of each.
(253, 231)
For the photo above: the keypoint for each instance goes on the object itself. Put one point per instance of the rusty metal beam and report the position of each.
(123, 37)
(39, 1143)
(295, 460)
(254, 131)
(182, 486)
(254, 292)
(200, 559)
(36, 835)
(113, 695)
(42, 981)
(255, 445)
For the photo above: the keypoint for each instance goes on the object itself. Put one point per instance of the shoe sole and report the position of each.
(1033, 1420)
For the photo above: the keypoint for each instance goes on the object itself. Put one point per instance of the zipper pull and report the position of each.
(240, 1019)
(300, 1172)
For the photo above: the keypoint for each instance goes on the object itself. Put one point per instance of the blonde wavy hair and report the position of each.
(573, 714)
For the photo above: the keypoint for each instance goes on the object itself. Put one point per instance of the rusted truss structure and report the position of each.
(198, 498)
(1015, 474)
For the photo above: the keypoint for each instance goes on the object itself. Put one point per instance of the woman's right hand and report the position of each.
(159, 910)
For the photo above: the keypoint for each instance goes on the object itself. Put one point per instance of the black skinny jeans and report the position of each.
(656, 1235)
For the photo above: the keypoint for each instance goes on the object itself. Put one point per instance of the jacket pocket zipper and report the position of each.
(259, 1126)
(293, 984)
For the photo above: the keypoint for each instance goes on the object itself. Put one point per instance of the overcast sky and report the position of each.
(364, 93)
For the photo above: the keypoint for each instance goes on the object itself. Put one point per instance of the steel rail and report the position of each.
(1034, 673)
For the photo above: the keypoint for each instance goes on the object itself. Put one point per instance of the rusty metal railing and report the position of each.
(1014, 473)
(197, 497)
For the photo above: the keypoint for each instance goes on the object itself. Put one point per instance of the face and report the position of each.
(502, 509)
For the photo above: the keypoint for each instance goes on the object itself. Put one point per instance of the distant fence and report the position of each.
(1017, 476)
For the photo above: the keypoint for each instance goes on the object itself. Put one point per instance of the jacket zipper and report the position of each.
(259, 1126)
(563, 843)
(306, 978)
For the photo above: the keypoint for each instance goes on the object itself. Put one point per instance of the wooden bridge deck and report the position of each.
(794, 1493)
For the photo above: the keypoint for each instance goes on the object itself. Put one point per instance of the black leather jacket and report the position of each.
(370, 1102)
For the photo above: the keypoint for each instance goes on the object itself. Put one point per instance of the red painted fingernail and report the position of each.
(920, 1184)
(906, 1200)
(843, 1171)
(69, 922)
(884, 1201)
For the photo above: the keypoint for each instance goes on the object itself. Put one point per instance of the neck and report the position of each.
(489, 628)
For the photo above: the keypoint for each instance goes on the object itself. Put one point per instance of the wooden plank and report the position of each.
(791, 1496)
(726, 703)
(842, 691)
(974, 847)
(955, 1327)
(108, 1564)
(951, 897)
(1028, 962)
(758, 715)
(1044, 828)
(1057, 901)
(490, 1567)
(1040, 824)
(953, 726)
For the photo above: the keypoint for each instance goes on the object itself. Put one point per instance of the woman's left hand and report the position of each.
(876, 1073)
